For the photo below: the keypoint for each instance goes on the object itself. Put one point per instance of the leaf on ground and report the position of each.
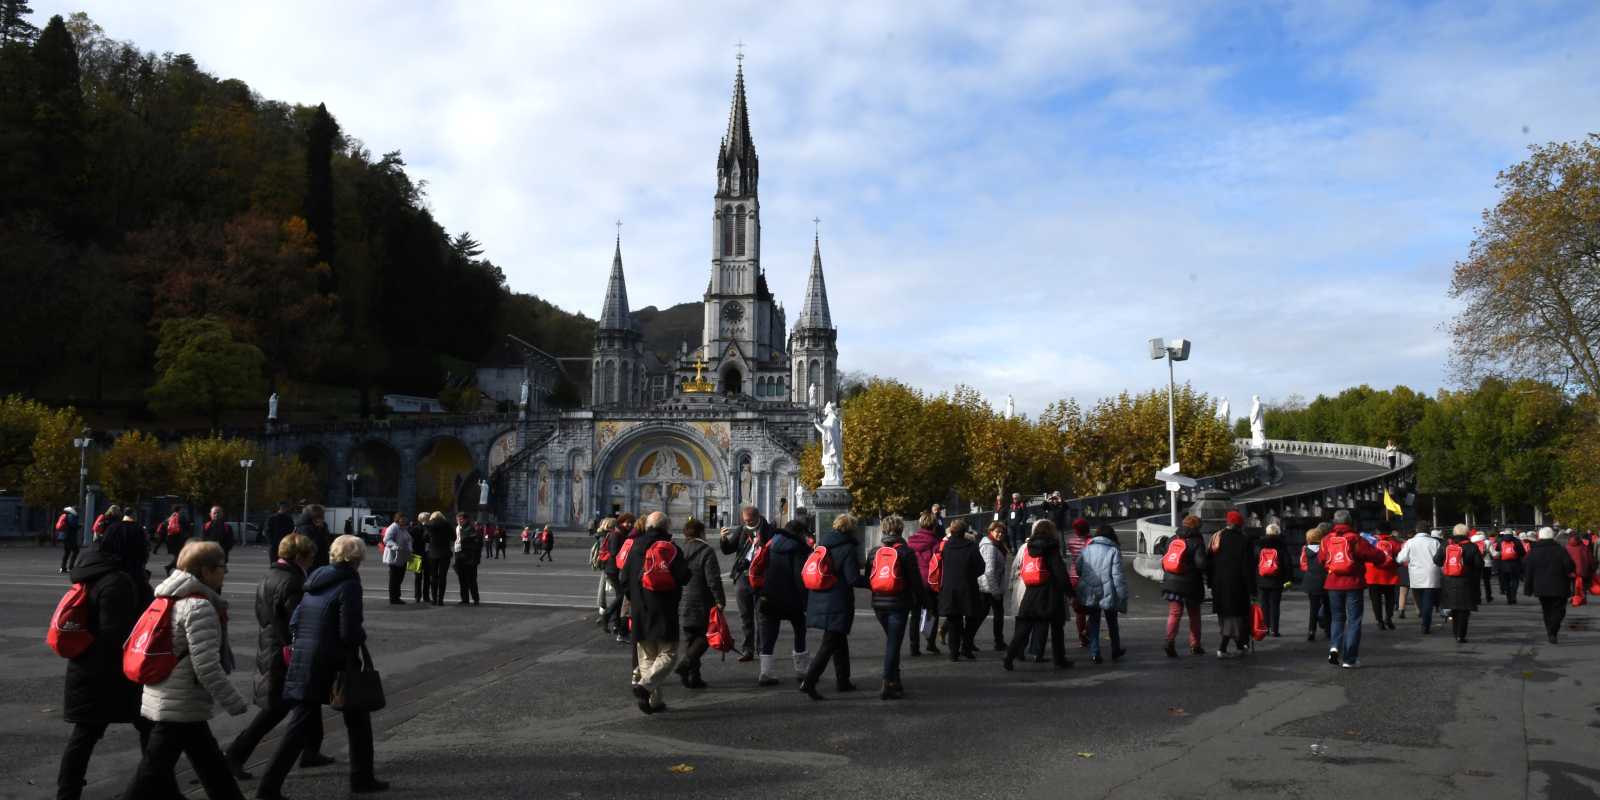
(680, 769)
(1527, 674)
(1176, 711)
(1086, 755)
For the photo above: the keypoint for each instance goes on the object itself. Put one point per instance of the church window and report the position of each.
(727, 231)
(738, 241)
(610, 391)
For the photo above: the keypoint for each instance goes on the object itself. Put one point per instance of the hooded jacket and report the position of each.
(1387, 574)
(704, 588)
(910, 577)
(834, 610)
(783, 595)
(1417, 555)
(1547, 570)
(1101, 583)
(993, 579)
(1047, 601)
(962, 566)
(96, 689)
(1189, 584)
(277, 596)
(326, 629)
(1360, 552)
(923, 543)
(200, 641)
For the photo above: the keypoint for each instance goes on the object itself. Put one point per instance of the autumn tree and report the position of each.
(136, 467)
(202, 369)
(19, 427)
(288, 479)
(51, 479)
(1576, 501)
(1531, 279)
(208, 472)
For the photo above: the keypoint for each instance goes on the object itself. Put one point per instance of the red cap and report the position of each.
(1235, 519)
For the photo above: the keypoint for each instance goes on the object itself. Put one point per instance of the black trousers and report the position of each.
(1458, 622)
(397, 579)
(990, 605)
(1057, 629)
(1509, 579)
(422, 584)
(467, 576)
(1321, 612)
(527, 546)
(262, 724)
(694, 648)
(69, 555)
(835, 648)
(80, 746)
(746, 599)
(961, 630)
(546, 555)
(441, 577)
(1554, 610)
(1271, 606)
(1383, 599)
(357, 725)
(168, 740)
(769, 632)
(1488, 581)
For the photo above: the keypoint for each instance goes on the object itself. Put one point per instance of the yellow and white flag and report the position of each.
(1390, 504)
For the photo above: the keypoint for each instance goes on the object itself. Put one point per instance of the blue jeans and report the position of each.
(1345, 634)
(1094, 631)
(1426, 600)
(894, 632)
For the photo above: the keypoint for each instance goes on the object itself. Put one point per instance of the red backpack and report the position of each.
(1455, 560)
(817, 574)
(1267, 562)
(1340, 560)
(757, 574)
(147, 657)
(657, 575)
(69, 633)
(623, 551)
(100, 524)
(1508, 550)
(1033, 570)
(61, 523)
(936, 569)
(1175, 561)
(719, 636)
(886, 578)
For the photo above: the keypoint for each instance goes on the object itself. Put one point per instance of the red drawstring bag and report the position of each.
(719, 636)
(1594, 585)
(1578, 597)
(1258, 622)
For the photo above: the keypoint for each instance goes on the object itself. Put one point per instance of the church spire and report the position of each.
(614, 314)
(814, 314)
(737, 166)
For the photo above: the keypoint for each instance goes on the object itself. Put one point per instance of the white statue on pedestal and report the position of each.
(1223, 411)
(811, 396)
(272, 408)
(832, 430)
(1011, 407)
(522, 401)
(1258, 426)
(483, 494)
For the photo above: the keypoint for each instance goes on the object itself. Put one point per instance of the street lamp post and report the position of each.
(244, 532)
(82, 443)
(1172, 350)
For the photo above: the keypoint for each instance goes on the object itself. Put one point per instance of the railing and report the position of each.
(407, 422)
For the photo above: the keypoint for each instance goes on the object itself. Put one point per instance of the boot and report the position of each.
(933, 647)
(809, 689)
(694, 680)
(767, 678)
(884, 693)
(1172, 649)
(802, 664)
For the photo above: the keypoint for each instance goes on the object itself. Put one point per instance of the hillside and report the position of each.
(666, 329)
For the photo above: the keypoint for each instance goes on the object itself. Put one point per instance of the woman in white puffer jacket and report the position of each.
(182, 705)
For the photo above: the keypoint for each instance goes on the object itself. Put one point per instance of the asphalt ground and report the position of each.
(525, 697)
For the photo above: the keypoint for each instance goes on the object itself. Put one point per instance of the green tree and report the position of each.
(202, 369)
(1576, 501)
(208, 471)
(289, 480)
(14, 25)
(51, 480)
(58, 118)
(19, 427)
(322, 140)
(136, 467)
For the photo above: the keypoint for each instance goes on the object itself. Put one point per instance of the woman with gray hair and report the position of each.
(1272, 574)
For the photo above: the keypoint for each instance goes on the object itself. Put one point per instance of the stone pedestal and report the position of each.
(827, 503)
(1261, 459)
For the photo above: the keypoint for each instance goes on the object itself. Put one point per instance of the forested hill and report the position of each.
(140, 195)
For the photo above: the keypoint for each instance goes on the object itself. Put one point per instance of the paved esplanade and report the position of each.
(508, 701)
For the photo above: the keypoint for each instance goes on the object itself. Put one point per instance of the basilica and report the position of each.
(698, 432)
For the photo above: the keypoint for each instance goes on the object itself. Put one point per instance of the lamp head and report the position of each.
(1179, 349)
(1158, 349)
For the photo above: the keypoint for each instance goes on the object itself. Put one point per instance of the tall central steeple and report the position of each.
(737, 166)
(739, 313)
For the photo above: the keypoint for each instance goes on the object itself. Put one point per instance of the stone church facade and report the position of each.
(705, 431)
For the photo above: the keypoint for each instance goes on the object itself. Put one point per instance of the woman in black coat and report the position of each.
(97, 693)
(702, 593)
(1312, 577)
(441, 544)
(1459, 593)
(421, 588)
(893, 609)
(277, 597)
(1184, 590)
(1270, 587)
(1233, 586)
(833, 611)
(783, 598)
(1044, 604)
(1548, 573)
(468, 557)
(959, 601)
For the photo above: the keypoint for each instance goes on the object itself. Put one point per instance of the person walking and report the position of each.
(179, 530)
(1549, 575)
(923, 542)
(441, 548)
(313, 524)
(832, 608)
(397, 555)
(1417, 555)
(1183, 583)
(992, 585)
(216, 530)
(1383, 579)
(741, 543)
(609, 548)
(469, 554)
(1580, 550)
(421, 589)
(97, 694)
(527, 540)
(1508, 552)
(500, 542)
(1044, 603)
(1461, 566)
(329, 634)
(702, 593)
(547, 545)
(1103, 590)
(1072, 543)
(1312, 577)
(1343, 553)
(125, 542)
(654, 575)
(1017, 516)
(959, 603)
(70, 529)
(277, 597)
(279, 525)
(895, 582)
(782, 598)
(1490, 568)
(1231, 572)
(1272, 573)
(180, 706)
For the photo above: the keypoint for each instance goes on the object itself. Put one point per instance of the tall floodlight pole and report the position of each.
(82, 443)
(1172, 350)
(244, 531)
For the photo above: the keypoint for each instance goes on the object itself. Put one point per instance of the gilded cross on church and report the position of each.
(699, 365)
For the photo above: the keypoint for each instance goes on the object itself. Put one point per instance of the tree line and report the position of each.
(179, 245)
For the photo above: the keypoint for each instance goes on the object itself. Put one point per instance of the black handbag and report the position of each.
(357, 687)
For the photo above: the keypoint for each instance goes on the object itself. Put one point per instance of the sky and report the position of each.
(1013, 196)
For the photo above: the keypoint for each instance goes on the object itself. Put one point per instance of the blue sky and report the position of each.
(1013, 196)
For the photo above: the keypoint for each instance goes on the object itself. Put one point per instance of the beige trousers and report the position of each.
(655, 662)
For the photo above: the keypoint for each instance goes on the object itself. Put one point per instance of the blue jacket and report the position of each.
(326, 628)
(833, 610)
(783, 595)
(1100, 580)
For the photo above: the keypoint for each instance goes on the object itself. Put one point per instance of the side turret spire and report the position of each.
(814, 314)
(614, 314)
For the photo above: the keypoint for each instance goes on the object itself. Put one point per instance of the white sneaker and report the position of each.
(1356, 664)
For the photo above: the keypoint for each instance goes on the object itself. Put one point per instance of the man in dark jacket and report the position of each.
(1548, 572)
(959, 601)
(741, 543)
(279, 525)
(655, 607)
(1509, 552)
(314, 526)
(700, 595)
(216, 530)
(608, 566)
(97, 693)
(328, 632)
(1045, 604)
(277, 597)
(1233, 586)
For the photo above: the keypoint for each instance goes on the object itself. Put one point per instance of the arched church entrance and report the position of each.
(732, 381)
(663, 470)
